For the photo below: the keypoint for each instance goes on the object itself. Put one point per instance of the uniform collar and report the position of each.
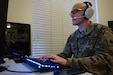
(90, 28)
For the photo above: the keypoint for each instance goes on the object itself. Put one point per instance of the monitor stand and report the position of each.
(18, 60)
(2, 68)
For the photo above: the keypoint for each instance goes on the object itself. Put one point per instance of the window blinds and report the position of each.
(51, 26)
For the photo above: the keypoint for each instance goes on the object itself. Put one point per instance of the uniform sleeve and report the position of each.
(102, 62)
(67, 52)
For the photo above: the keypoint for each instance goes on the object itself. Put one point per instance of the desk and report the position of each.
(11, 65)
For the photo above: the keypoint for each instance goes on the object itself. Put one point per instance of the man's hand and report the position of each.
(55, 58)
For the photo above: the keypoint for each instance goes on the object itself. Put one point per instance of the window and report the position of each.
(51, 25)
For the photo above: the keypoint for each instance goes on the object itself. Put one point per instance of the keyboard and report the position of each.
(51, 66)
(41, 65)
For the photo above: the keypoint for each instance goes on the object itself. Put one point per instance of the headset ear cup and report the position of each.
(89, 13)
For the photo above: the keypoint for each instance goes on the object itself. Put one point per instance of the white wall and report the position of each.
(21, 11)
(105, 11)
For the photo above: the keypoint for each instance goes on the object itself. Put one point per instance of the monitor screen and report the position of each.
(2, 45)
(2, 41)
(110, 24)
(3, 18)
(17, 39)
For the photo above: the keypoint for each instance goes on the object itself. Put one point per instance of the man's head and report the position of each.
(81, 12)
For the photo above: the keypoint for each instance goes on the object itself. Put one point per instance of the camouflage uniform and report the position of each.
(91, 50)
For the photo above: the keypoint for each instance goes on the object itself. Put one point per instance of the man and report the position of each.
(90, 47)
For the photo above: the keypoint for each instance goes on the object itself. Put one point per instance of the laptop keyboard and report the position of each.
(41, 65)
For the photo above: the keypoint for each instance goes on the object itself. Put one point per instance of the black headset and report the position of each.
(88, 13)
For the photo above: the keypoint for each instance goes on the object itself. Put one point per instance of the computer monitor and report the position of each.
(3, 18)
(110, 24)
(2, 42)
(18, 41)
(2, 45)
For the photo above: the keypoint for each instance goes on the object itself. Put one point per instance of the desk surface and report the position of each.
(22, 67)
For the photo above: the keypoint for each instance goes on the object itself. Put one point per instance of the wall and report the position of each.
(21, 11)
(105, 11)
